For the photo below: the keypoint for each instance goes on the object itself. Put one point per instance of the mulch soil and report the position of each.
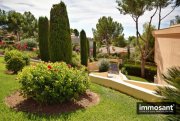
(17, 102)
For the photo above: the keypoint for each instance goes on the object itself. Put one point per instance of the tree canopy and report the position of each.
(25, 24)
(107, 30)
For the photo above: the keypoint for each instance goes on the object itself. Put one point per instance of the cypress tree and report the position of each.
(43, 38)
(60, 44)
(94, 49)
(88, 47)
(83, 44)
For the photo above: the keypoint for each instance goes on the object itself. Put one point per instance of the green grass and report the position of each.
(113, 106)
(136, 78)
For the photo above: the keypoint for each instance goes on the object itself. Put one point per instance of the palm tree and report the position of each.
(172, 94)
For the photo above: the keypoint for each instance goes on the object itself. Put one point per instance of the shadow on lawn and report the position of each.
(30, 106)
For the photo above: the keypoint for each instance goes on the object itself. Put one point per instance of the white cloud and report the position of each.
(84, 14)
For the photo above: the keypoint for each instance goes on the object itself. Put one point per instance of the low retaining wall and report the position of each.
(126, 87)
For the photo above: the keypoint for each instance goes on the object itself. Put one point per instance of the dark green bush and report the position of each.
(135, 70)
(103, 65)
(15, 64)
(52, 83)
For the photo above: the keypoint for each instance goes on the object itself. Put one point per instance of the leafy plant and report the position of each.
(75, 59)
(15, 64)
(29, 42)
(16, 60)
(10, 54)
(103, 65)
(172, 94)
(53, 82)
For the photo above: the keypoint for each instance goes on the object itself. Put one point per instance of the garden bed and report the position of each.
(19, 103)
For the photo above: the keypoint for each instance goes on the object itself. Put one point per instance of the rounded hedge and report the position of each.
(16, 60)
(15, 64)
(103, 65)
(51, 83)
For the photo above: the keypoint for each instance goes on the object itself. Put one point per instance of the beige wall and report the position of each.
(167, 50)
(135, 89)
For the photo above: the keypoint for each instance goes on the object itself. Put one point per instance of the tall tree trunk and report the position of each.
(143, 62)
(128, 49)
(159, 23)
(18, 36)
(108, 49)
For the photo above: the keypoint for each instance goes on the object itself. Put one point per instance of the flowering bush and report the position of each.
(53, 82)
(20, 46)
(26, 44)
(30, 43)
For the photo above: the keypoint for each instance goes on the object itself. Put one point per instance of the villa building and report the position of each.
(167, 50)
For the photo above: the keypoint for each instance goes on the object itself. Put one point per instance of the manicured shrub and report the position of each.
(76, 62)
(84, 51)
(60, 45)
(135, 70)
(9, 54)
(94, 49)
(15, 53)
(43, 38)
(103, 65)
(53, 82)
(15, 64)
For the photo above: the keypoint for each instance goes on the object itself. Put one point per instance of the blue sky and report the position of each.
(84, 14)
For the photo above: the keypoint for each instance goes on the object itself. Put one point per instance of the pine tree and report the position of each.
(84, 51)
(94, 49)
(43, 38)
(60, 44)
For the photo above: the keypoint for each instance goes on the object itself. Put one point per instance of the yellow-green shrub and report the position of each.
(53, 82)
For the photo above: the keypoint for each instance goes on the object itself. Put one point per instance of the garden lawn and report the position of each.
(135, 78)
(113, 106)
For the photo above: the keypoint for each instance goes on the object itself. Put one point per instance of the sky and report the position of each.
(84, 14)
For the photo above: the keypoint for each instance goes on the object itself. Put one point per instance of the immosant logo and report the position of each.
(156, 108)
